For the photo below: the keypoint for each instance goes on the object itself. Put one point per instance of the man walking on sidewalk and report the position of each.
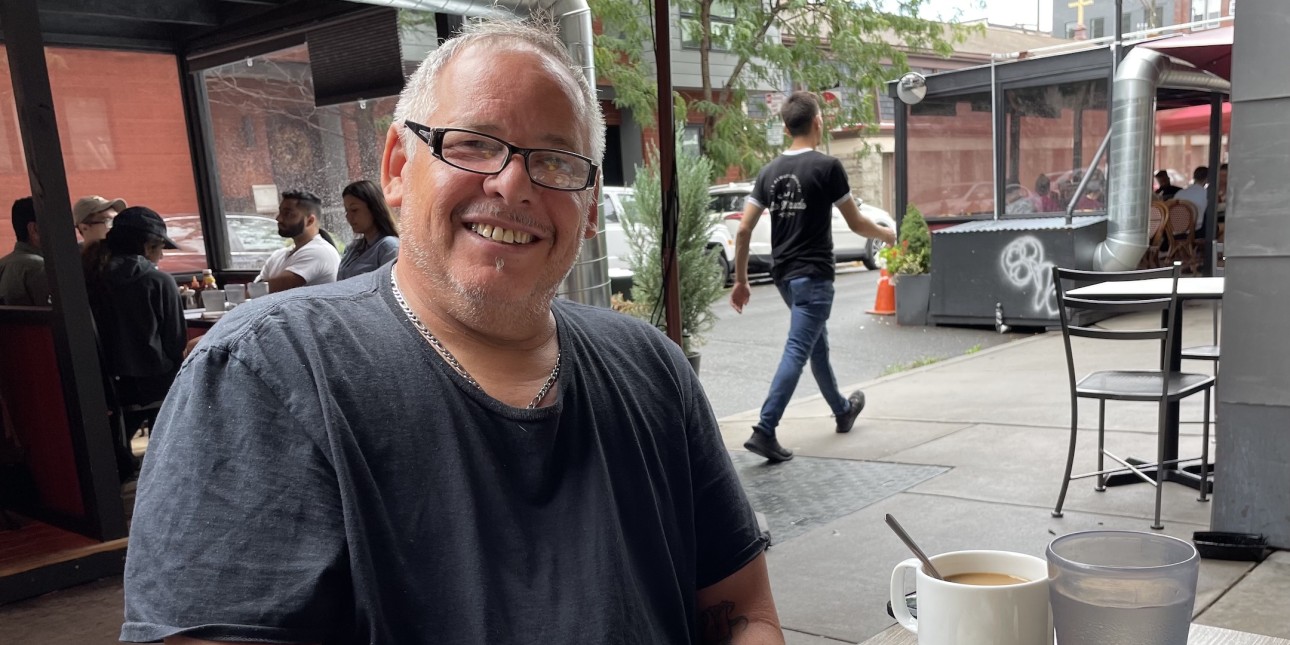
(801, 187)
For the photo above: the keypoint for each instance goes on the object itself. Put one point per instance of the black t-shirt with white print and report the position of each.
(800, 188)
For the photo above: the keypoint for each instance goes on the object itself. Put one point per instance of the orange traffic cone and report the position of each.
(884, 304)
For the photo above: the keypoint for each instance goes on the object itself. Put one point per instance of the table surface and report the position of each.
(1200, 635)
(1188, 288)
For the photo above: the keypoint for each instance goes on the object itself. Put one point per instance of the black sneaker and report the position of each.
(766, 446)
(848, 420)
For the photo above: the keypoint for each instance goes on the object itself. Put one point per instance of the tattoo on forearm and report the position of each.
(718, 627)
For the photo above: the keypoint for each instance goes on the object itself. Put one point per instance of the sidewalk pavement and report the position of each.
(968, 453)
(995, 425)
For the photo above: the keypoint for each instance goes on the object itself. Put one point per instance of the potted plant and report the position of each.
(910, 263)
(701, 282)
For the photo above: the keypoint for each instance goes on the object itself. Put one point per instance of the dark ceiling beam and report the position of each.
(287, 21)
(201, 13)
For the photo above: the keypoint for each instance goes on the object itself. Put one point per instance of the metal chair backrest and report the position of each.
(1069, 307)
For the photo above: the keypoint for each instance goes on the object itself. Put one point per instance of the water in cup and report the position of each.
(236, 294)
(1080, 621)
(1122, 587)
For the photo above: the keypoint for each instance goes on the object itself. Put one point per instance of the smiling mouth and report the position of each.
(499, 234)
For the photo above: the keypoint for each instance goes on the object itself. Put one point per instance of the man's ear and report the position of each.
(593, 214)
(394, 162)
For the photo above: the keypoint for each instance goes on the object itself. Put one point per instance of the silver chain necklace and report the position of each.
(452, 360)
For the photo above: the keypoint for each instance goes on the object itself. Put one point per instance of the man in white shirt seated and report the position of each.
(312, 259)
(1195, 193)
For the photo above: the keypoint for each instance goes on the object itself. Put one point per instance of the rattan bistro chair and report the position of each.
(1126, 385)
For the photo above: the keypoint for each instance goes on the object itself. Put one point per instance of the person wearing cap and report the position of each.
(93, 216)
(139, 317)
(1167, 189)
(22, 273)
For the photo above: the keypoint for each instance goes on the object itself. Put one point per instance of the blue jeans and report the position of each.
(810, 301)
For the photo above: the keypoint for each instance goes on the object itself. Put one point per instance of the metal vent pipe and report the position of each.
(1133, 126)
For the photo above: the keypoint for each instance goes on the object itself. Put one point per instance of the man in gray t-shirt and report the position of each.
(439, 451)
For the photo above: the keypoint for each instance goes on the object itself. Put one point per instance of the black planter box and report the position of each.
(1007, 264)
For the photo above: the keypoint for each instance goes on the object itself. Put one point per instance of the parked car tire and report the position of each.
(727, 272)
(872, 260)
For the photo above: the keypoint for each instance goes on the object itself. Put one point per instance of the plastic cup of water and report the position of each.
(236, 293)
(1122, 587)
(257, 289)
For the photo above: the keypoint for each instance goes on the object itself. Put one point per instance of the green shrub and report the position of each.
(701, 282)
(912, 253)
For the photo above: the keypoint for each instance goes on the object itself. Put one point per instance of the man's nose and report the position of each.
(512, 183)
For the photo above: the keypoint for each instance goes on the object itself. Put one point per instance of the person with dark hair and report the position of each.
(801, 187)
(1166, 189)
(139, 317)
(312, 259)
(22, 273)
(1044, 198)
(377, 240)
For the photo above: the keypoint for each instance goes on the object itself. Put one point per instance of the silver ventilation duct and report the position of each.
(1133, 126)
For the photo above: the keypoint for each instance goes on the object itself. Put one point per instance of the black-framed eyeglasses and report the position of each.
(487, 155)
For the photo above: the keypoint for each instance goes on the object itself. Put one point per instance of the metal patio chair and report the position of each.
(1126, 385)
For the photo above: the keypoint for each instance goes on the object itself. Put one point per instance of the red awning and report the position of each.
(1190, 119)
(1209, 50)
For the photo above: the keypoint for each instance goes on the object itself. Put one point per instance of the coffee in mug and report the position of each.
(1000, 598)
(985, 579)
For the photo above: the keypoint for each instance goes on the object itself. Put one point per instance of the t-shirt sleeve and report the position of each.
(760, 194)
(237, 532)
(839, 186)
(315, 263)
(727, 536)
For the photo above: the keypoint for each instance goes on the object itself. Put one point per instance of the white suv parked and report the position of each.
(614, 204)
(728, 200)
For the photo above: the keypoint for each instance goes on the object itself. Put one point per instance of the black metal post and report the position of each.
(667, 170)
(1211, 195)
(74, 343)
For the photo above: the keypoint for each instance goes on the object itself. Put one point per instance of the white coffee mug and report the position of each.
(951, 613)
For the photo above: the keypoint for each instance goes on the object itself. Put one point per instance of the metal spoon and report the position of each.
(909, 542)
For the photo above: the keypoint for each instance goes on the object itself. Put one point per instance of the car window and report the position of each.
(626, 202)
(186, 232)
(256, 234)
(608, 213)
(728, 202)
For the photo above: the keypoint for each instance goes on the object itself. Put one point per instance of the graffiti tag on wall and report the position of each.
(1025, 268)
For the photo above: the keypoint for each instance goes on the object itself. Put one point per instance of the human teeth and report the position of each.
(499, 234)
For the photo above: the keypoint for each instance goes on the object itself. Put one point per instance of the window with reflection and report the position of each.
(121, 126)
(951, 171)
(1052, 133)
(269, 137)
(722, 21)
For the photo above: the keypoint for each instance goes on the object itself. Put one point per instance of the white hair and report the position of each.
(540, 35)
